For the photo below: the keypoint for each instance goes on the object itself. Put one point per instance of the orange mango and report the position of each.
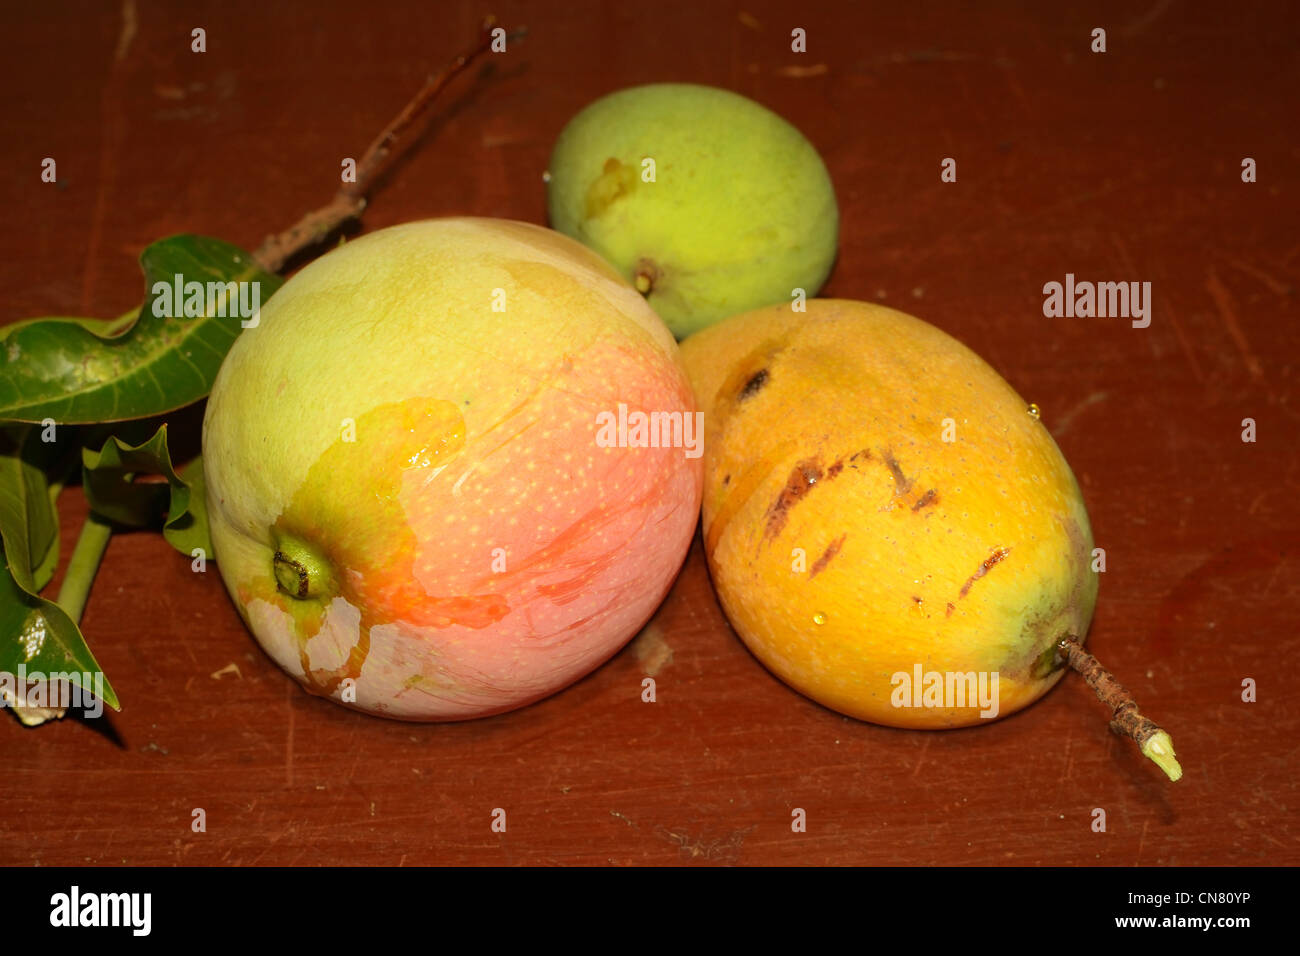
(890, 528)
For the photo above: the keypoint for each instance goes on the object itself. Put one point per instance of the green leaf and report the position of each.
(108, 478)
(27, 516)
(38, 636)
(81, 371)
(104, 328)
(43, 570)
(35, 634)
(30, 465)
(187, 529)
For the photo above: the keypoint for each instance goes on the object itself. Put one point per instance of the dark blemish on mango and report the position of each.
(754, 385)
(835, 469)
(615, 181)
(926, 500)
(950, 609)
(726, 480)
(820, 564)
(1079, 555)
(805, 474)
(988, 563)
(902, 484)
(759, 360)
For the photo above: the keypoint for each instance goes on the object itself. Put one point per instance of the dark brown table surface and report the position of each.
(1117, 166)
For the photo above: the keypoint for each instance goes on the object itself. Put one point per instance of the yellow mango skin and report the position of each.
(824, 435)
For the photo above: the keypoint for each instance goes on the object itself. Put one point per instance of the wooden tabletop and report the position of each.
(1124, 165)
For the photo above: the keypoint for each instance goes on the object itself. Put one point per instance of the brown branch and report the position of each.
(1125, 719)
(350, 200)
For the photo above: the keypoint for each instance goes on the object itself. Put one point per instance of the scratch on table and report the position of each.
(1276, 286)
(128, 31)
(1016, 88)
(288, 742)
(1223, 302)
(724, 848)
(1067, 419)
(112, 123)
(1141, 840)
(271, 845)
(934, 56)
(1144, 21)
(1126, 262)
(1271, 581)
(356, 757)
(801, 72)
(920, 757)
(1182, 341)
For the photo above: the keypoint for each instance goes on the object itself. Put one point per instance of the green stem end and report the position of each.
(301, 571)
(1160, 748)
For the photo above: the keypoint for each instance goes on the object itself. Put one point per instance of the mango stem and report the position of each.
(87, 555)
(1125, 719)
(300, 570)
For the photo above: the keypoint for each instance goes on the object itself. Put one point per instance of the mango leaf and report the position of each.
(101, 327)
(34, 459)
(27, 515)
(35, 634)
(82, 371)
(188, 529)
(108, 478)
(43, 570)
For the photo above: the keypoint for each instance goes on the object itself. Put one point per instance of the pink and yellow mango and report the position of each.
(412, 498)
